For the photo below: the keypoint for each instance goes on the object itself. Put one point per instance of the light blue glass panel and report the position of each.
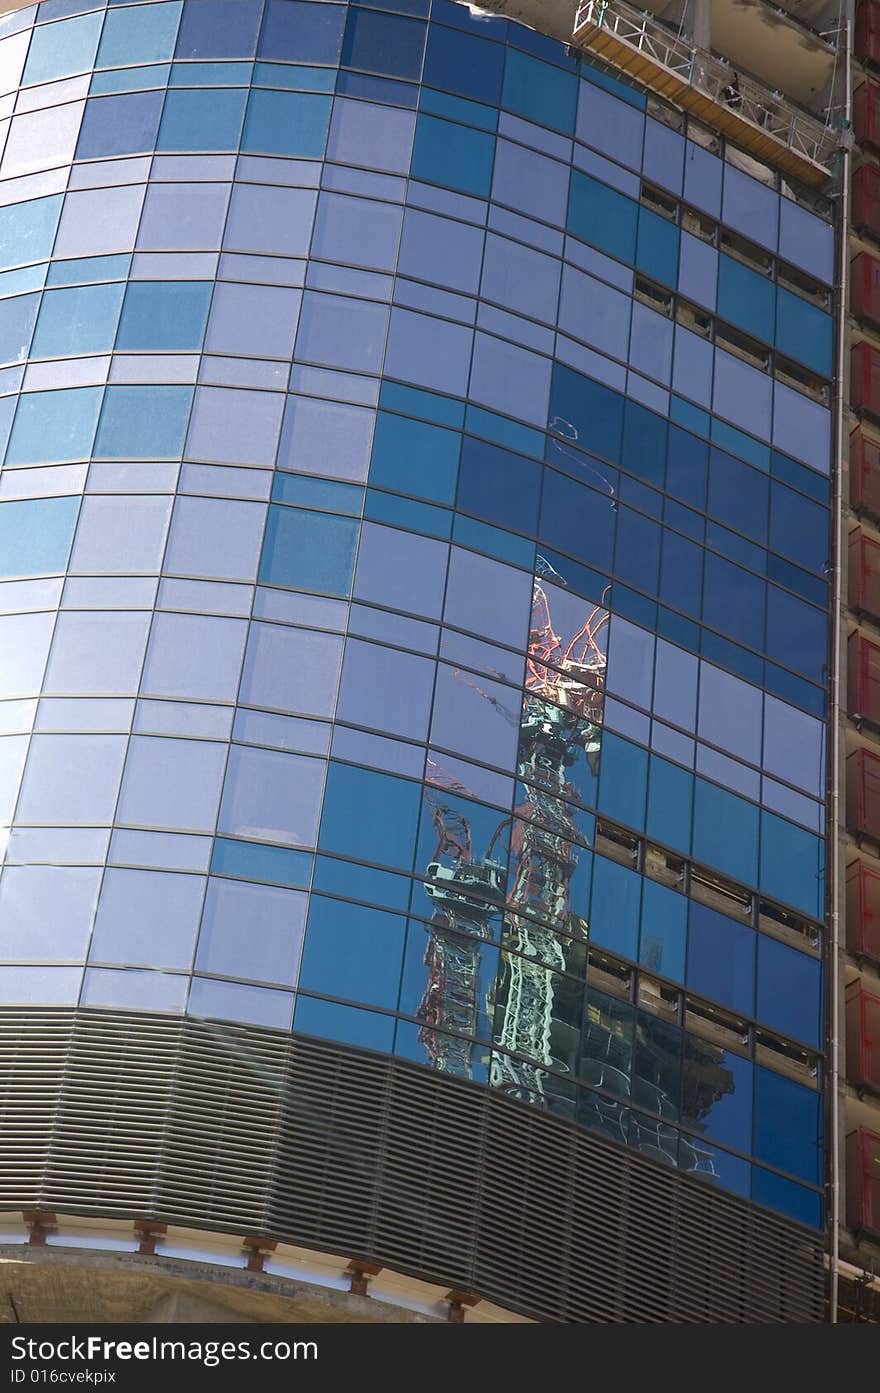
(164, 315)
(54, 426)
(703, 174)
(609, 125)
(257, 861)
(35, 535)
(286, 123)
(806, 240)
(80, 320)
(139, 34)
(698, 271)
(17, 318)
(27, 230)
(56, 50)
(143, 423)
(750, 207)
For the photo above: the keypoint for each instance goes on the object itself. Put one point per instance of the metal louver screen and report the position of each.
(255, 1131)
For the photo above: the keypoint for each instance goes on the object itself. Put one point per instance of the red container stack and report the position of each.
(863, 909)
(864, 574)
(864, 473)
(865, 379)
(863, 678)
(867, 35)
(863, 793)
(863, 1181)
(866, 200)
(862, 1036)
(865, 288)
(866, 115)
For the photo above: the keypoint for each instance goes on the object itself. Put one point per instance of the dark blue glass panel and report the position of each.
(540, 92)
(497, 485)
(717, 1094)
(623, 781)
(453, 155)
(614, 911)
(788, 1125)
(721, 958)
(746, 298)
(794, 1201)
(664, 929)
(739, 495)
(799, 529)
(797, 634)
(789, 990)
(644, 443)
(657, 248)
(637, 554)
(577, 520)
(388, 838)
(670, 804)
(302, 32)
(725, 832)
(681, 574)
(461, 63)
(792, 865)
(687, 468)
(413, 457)
(733, 601)
(382, 43)
(329, 1020)
(218, 29)
(586, 413)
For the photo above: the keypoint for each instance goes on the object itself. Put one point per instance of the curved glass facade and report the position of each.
(414, 534)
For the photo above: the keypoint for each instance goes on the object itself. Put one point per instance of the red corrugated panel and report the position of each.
(863, 1181)
(863, 909)
(864, 573)
(863, 793)
(862, 1036)
(866, 200)
(865, 379)
(864, 472)
(867, 36)
(863, 678)
(865, 288)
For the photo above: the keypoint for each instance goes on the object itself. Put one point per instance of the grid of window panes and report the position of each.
(414, 533)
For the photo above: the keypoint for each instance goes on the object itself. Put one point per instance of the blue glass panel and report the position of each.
(310, 551)
(670, 804)
(739, 495)
(257, 861)
(717, 1094)
(578, 520)
(139, 34)
(586, 413)
(657, 247)
(388, 840)
(788, 1126)
(143, 423)
(119, 125)
(353, 952)
(637, 553)
(453, 155)
(797, 634)
(218, 29)
(602, 216)
(789, 991)
(286, 123)
(362, 883)
(35, 536)
(57, 50)
(721, 958)
(725, 832)
(614, 910)
(369, 1029)
(54, 426)
(386, 44)
(202, 120)
(687, 467)
(799, 529)
(792, 865)
(302, 31)
(80, 320)
(804, 332)
(164, 315)
(681, 573)
(497, 485)
(17, 319)
(644, 443)
(733, 600)
(540, 92)
(27, 230)
(623, 781)
(794, 1201)
(465, 64)
(746, 298)
(664, 931)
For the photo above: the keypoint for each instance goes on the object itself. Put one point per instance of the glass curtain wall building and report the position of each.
(414, 530)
